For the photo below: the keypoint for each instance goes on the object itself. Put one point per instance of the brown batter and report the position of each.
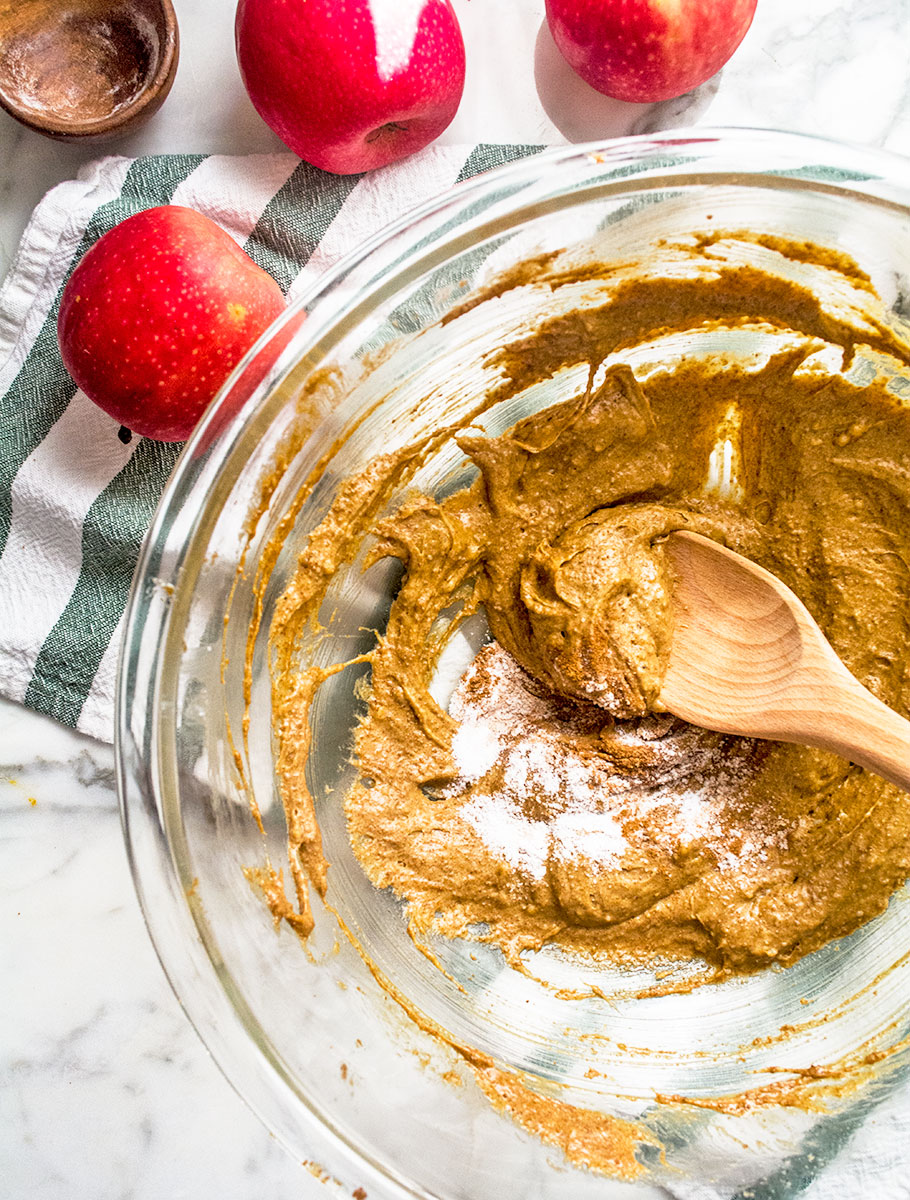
(549, 804)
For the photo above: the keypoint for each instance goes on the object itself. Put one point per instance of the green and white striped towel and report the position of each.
(75, 501)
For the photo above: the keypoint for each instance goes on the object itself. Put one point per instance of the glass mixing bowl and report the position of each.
(314, 1037)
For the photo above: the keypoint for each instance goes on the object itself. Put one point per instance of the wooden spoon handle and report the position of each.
(860, 728)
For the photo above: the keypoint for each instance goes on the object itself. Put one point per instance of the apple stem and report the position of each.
(125, 435)
(391, 127)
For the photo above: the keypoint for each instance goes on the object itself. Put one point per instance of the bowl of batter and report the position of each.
(455, 905)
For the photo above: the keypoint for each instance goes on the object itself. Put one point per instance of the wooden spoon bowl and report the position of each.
(86, 70)
(747, 657)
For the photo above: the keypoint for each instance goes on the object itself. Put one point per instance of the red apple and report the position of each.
(157, 314)
(648, 50)
(350, 85)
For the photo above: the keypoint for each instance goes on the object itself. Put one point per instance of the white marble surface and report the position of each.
(107, 1091)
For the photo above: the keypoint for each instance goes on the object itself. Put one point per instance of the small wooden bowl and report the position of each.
(85, 70)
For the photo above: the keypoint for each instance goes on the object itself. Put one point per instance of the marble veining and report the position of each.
(108, 1093)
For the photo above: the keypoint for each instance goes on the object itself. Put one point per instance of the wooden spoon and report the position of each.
(746, 657)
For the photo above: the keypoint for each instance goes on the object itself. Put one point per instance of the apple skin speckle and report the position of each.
(157, 314)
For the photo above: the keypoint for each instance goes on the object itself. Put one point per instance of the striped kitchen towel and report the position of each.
(75, 501)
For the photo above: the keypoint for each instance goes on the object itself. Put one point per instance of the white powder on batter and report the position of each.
(541, 785)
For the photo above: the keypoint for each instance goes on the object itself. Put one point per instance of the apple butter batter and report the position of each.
(547, 802)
